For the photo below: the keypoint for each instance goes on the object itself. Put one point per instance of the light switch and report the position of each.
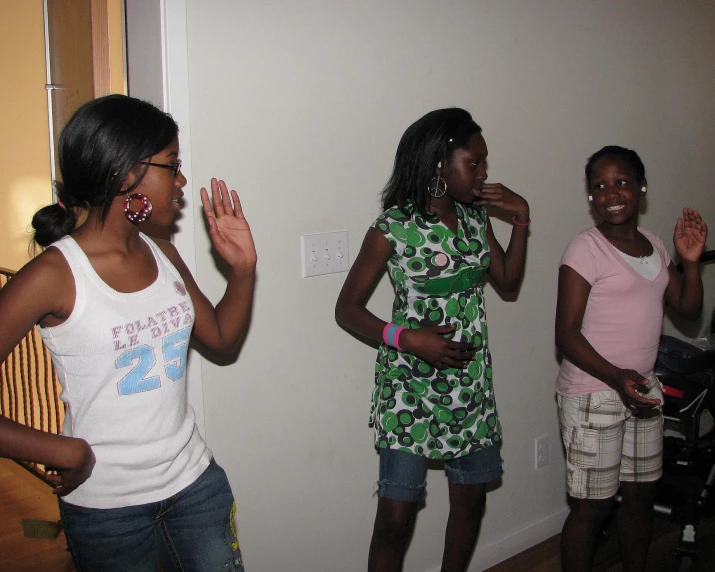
(324, 253)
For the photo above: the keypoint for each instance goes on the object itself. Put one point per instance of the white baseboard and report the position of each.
(520, 540)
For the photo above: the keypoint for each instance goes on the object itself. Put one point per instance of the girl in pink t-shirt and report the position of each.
(612, 282)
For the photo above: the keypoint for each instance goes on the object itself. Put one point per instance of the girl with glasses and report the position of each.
(137, 484)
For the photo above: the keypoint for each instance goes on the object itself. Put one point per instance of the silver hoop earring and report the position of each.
(436, 187)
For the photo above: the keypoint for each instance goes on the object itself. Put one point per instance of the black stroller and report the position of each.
(688, 376)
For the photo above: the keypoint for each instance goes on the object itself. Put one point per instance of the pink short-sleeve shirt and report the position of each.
(624, 312)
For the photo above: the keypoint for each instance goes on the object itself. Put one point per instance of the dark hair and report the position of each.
(101, 143)
(429, 140)
(628, 156)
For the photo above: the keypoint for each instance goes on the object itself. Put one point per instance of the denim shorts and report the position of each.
(402, 475)
(191, 531)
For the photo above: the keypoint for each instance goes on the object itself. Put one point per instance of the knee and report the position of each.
(469, 500)
(591, 510)
(638, 494)
(394, 520)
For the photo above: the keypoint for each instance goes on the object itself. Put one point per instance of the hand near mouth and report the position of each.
(497, 195)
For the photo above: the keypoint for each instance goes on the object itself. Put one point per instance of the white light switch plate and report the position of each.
(324, 253)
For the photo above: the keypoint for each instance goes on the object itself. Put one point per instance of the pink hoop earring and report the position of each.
(135, 217)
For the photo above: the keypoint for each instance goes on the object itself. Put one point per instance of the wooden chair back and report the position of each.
(29, 389)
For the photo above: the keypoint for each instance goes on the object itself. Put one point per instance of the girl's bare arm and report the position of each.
(428, 342)
(221, 328)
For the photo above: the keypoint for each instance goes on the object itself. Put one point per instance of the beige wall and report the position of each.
(299, 106)
(25, 183)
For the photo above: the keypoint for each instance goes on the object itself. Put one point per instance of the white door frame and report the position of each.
(158, 71)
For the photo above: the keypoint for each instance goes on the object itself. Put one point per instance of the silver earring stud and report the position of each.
(644, 190)
(590, 198)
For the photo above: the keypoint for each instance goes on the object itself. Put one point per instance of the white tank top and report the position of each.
(121, 361)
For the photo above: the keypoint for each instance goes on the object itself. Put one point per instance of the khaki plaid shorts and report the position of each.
(606, 443)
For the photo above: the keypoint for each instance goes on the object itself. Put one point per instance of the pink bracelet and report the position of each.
(517, 223)
(391, 335)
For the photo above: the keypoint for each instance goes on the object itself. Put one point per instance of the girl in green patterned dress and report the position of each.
(433, 394)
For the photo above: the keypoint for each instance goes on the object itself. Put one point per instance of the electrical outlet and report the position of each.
(541, 452)
(324, 253)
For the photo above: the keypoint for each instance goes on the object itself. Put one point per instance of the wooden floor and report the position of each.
(544, 557)
(23, 496)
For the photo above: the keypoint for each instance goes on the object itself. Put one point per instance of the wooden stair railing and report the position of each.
(29, 389)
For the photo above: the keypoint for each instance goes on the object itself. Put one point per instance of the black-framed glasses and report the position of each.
(175, 166)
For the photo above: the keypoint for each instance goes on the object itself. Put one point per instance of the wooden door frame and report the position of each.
(100, 47)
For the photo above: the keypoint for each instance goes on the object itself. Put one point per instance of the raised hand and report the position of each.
(430, 344)
(497, 195)
(689, 236)
(229, 231)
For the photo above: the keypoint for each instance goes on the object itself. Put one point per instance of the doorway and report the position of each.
(25, 135)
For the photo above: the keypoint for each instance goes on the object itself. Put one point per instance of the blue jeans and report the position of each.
(190, 531)
(402, 475)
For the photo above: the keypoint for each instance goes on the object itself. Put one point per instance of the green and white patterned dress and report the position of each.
(437, 277)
